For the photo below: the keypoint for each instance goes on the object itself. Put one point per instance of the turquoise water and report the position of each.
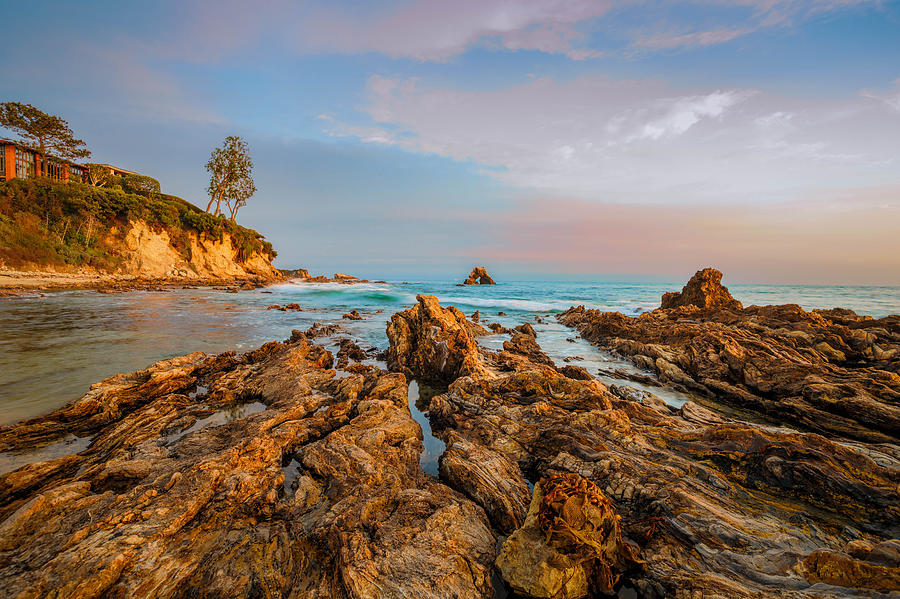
(53, 347)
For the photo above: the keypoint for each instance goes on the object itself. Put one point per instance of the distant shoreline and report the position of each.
(16, 282)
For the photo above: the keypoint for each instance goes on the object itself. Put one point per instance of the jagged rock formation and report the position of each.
(259, 475)
(704, 290)
(432, 343)
(294, 273)
(267, 474)
(479, 276)
(827, 371)
(716, 507)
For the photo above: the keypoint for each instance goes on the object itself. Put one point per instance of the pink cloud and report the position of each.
(847, 237)
(438, 30)
(696, 39)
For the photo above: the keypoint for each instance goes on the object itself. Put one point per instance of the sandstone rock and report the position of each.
(239, 476)
(296, 273)
(839, 569)
(352, 315)
(497, 328)
(432, 343)
(324, 330)
(479, 276)
(704, 290)
(575, 372)
(489, 478)
(526, 329)
(524, 344)
(779, 362)
(338, 276)
(349, 351)
(716, 507)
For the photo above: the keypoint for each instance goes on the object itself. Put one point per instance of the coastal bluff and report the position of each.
(54, 233)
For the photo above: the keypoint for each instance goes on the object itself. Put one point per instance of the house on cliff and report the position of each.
(19, 161)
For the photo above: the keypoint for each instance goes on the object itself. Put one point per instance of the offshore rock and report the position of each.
(479, 276)
(715, 507)
(836, 376)
(433, 343)
(254, 475)
(704, 290)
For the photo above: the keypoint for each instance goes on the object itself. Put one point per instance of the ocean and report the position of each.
(53, 348)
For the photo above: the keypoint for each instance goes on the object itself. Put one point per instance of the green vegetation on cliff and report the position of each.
(46, 224)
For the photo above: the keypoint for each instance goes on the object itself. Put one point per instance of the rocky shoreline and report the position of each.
(28, 283)
(281, 473)
(19, 283)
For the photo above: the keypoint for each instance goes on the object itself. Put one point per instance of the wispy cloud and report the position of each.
(758, 15)
(687, 40)
(438, 30)
(600, 138)
(680, 114)
(890, 98)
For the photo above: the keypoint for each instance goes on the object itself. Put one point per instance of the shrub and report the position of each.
(140, 184)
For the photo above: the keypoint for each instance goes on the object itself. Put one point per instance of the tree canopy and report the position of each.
(50, 134)
(231, 178)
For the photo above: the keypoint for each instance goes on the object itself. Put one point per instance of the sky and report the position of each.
(597, 140)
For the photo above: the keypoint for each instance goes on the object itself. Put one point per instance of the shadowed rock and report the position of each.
(479, 276)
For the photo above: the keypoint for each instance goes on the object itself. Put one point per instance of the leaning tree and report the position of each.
(50, 134)
(231, 177)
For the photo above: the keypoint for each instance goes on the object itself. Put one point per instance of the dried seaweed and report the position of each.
(578, 519)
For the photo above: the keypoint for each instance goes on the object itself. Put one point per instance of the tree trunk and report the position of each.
(42, 145)
(217, 195)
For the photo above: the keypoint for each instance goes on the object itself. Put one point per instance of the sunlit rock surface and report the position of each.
(259, 475)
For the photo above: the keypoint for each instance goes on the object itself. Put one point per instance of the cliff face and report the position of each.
(57, 228)
(153, 253)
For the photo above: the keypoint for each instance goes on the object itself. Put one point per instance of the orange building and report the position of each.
(18, 161)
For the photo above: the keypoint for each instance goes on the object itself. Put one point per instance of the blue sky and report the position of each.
(540, 138)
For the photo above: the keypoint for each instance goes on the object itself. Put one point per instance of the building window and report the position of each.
(24, 164)
(55, 170)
